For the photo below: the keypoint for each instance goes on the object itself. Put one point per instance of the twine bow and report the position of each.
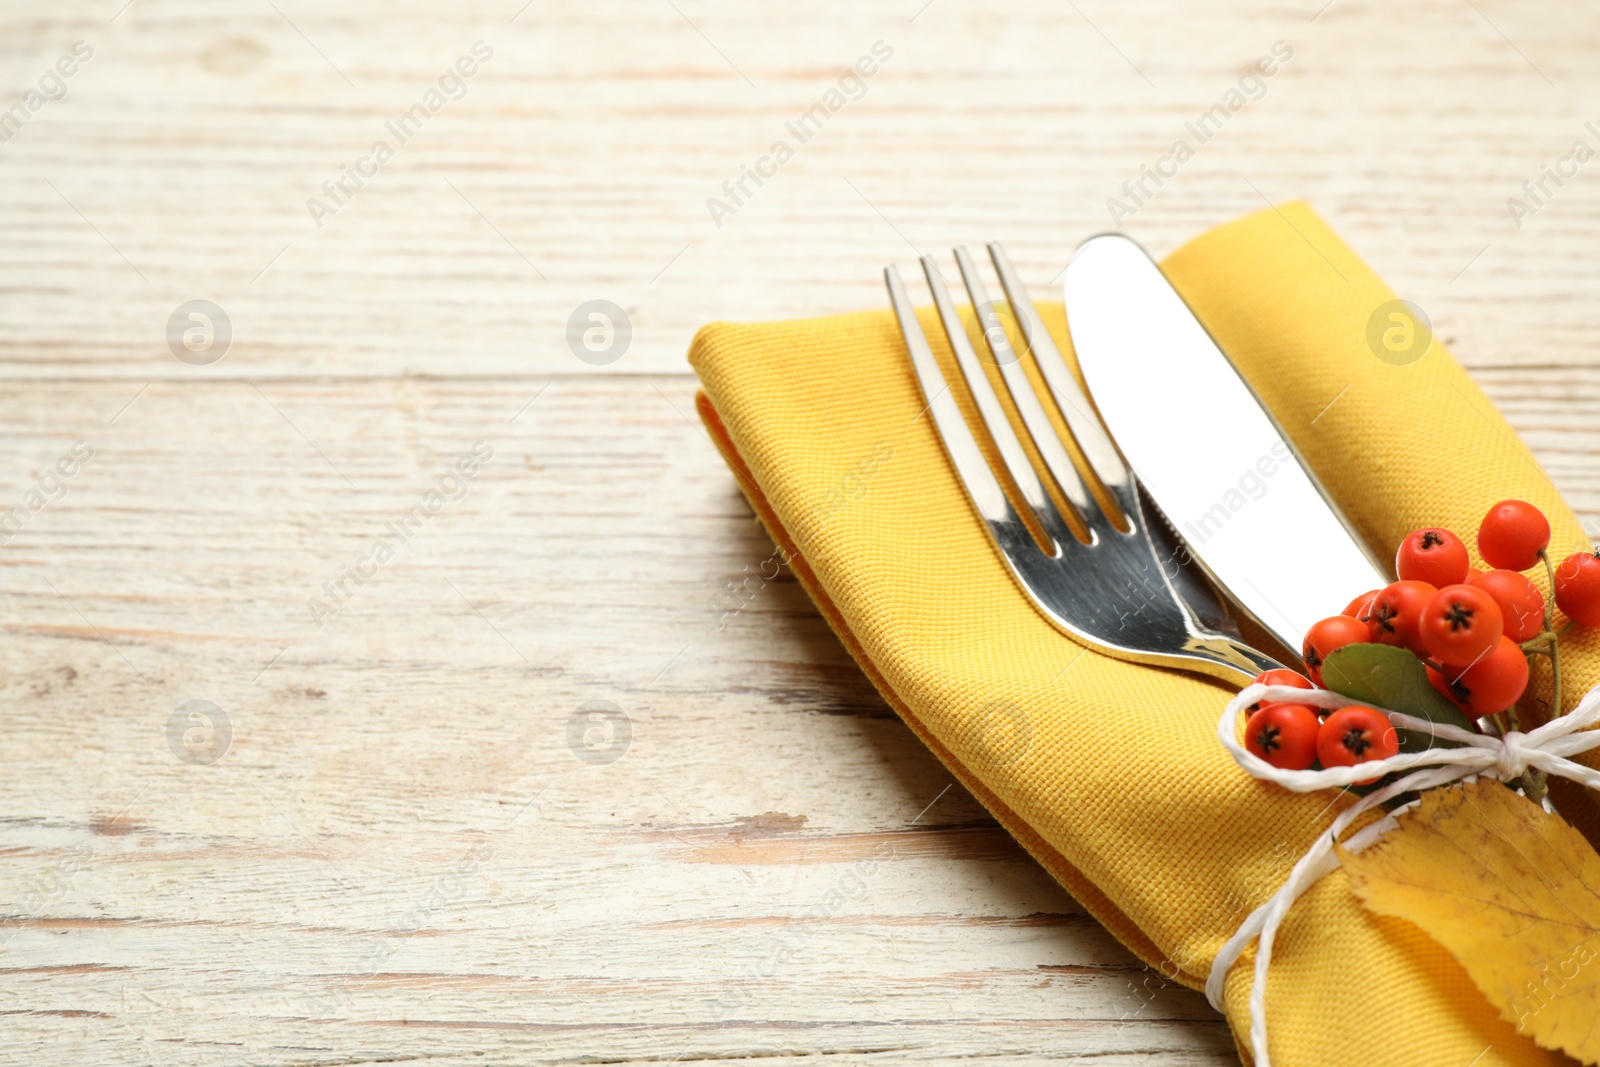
(1502, 758)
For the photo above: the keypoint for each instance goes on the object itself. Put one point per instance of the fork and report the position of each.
(1127, 589)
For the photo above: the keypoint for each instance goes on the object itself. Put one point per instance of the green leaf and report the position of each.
(1393, 678)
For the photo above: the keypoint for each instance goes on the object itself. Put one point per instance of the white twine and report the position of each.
(1502, 758)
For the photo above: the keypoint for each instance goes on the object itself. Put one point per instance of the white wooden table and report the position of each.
(393, 843)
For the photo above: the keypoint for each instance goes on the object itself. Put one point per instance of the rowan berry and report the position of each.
(1361, 606)
(1512, 535)
(1521, 603)
(1460, 623)
(1397, 613)
(1356, 734)
(1328, 635)
(1285, 735)
(1434, 556)
(1442, 686)
(1578, 587)
(1493, 683)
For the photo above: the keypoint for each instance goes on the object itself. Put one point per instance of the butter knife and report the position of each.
(1205, 449)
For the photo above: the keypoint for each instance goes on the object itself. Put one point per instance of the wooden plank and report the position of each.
(579, 162)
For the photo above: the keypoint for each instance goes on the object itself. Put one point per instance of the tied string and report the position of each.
(1502, 758)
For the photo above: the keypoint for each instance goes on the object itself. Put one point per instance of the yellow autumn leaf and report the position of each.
(1512, 892)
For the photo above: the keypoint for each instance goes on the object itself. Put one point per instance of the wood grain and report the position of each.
(401, 854)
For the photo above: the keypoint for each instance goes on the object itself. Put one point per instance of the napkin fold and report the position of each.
(1109, 773)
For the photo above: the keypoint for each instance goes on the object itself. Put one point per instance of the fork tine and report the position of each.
(994, 416)
(1108, 597)
(971, 466)
(1075, 408)
(1027, 402)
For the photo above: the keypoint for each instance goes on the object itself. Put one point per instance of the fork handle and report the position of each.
(1229, 660)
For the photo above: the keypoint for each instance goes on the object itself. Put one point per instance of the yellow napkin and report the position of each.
(1107, 772)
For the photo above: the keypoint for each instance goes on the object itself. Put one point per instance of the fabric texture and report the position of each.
(1109, 773)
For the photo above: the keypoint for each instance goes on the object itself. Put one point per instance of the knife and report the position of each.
(1206, 450)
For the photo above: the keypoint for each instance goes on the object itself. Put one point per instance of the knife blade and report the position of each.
(1206, 450)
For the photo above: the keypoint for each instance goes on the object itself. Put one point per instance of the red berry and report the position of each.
(1521, 603)
(1326, 636)
(1461, 623)
(1493, 683)
(1443, 687)
(1285, 735)
(1397, 613)
(1355, 735)
(1512, 535)
(1578, 587)
(1361, 606)
(1280, 677)
(1434, 556)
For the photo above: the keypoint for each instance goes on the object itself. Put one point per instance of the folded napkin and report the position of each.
(1109, 773)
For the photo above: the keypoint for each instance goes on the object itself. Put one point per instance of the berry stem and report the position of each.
(1534, 786)
(1547, 643)
(1554, 651)
(1555, 672)
(1550, 572)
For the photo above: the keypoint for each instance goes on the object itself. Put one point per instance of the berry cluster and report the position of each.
(1473, 629)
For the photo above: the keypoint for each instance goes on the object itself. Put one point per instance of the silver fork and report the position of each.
(1131, 593)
